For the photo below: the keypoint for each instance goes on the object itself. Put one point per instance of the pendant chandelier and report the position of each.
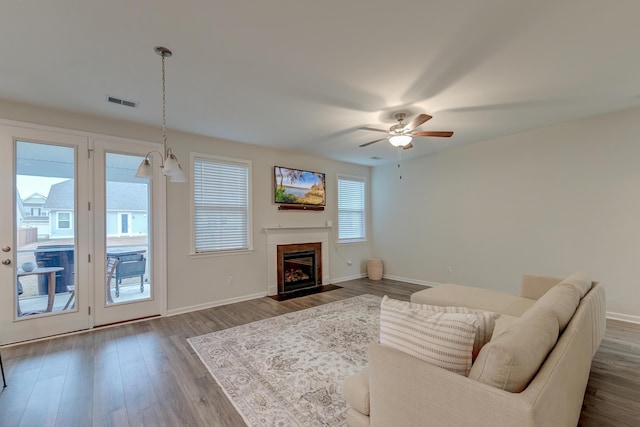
(168, 161)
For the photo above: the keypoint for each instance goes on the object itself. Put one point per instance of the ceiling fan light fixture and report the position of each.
(400, 140)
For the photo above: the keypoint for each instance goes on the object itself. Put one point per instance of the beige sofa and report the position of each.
(400, 390)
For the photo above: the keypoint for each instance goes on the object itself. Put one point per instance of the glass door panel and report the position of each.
(127, 230)
(45, 243)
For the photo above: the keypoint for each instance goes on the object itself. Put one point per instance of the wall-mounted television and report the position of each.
(298, 187)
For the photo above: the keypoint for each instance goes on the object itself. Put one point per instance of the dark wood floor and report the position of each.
(146, 374)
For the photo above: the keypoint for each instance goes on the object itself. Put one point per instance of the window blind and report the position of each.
(221, 205)
(351, 209)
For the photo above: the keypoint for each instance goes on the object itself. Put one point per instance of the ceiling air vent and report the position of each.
(124, 102)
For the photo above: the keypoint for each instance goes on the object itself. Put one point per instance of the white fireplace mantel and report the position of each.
(281, 229)
(294, 235)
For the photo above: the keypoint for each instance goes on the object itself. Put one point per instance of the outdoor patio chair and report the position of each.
(111, 268)
(4, 382)
(112, 263)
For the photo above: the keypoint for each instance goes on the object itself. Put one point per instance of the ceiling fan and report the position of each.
(400, 135)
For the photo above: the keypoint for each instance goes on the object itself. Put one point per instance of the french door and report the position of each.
(129, 214)
(55, 258)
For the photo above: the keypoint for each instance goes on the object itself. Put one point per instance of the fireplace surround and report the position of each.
(296, 235)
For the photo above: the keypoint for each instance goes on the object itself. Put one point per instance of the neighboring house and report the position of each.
(36, 215)
(20, 213)
(60, 205)
(127, 206)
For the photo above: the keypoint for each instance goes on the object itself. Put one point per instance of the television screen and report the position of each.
(298, 187)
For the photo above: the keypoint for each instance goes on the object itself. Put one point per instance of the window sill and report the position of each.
(211, 254)
(352, 242)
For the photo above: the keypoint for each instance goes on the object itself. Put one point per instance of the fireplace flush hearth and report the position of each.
(299, 266)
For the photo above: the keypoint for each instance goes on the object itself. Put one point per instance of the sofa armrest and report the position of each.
(533, 287)
(406, 391)
(356, 391)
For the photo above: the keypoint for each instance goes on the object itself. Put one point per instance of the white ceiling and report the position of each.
(304, 75)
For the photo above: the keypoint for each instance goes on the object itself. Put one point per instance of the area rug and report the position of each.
(288, 370)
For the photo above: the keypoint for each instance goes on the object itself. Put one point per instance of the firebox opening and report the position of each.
(299, 270)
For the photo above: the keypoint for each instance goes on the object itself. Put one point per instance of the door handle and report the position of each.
(6, 261)
(6, 248)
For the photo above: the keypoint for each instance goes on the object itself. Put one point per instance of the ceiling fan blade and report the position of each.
(373, 129)
(422, 118)
(409, 145)
(372, 142)
(443, 134)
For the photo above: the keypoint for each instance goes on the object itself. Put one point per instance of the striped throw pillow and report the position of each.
(486, 320)
(441, 339)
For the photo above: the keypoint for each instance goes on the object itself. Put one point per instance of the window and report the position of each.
(221, 204)
(64, 220)
(351, 209)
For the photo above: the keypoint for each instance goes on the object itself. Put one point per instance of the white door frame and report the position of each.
(84, 317)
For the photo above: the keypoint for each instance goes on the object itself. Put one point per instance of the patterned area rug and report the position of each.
(288, 370)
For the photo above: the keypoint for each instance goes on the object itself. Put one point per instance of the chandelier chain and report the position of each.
(164, 108)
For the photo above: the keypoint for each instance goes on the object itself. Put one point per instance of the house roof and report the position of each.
(61, 196)
(305, 75)
(35, 198)
(121, 196)
(127, 196)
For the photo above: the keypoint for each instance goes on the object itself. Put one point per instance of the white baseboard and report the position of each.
(197, 307)
(412, 281)
(623, 317)
(347, 278)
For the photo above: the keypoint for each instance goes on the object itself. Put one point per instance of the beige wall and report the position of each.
(198, 281)
(194, 280)
(549, 201)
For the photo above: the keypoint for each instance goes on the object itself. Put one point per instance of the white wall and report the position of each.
(201, 281)
(550, 202)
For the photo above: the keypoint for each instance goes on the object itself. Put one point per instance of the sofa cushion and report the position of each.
(513, 357)
(486, 319)
(581, 281)
(472, 297)
(356, 391)
(438, 338)
(562, 300)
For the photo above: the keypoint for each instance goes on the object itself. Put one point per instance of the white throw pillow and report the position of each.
(486, 319)
(441, 339)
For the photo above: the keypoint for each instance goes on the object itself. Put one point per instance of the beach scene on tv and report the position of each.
(299, 187)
